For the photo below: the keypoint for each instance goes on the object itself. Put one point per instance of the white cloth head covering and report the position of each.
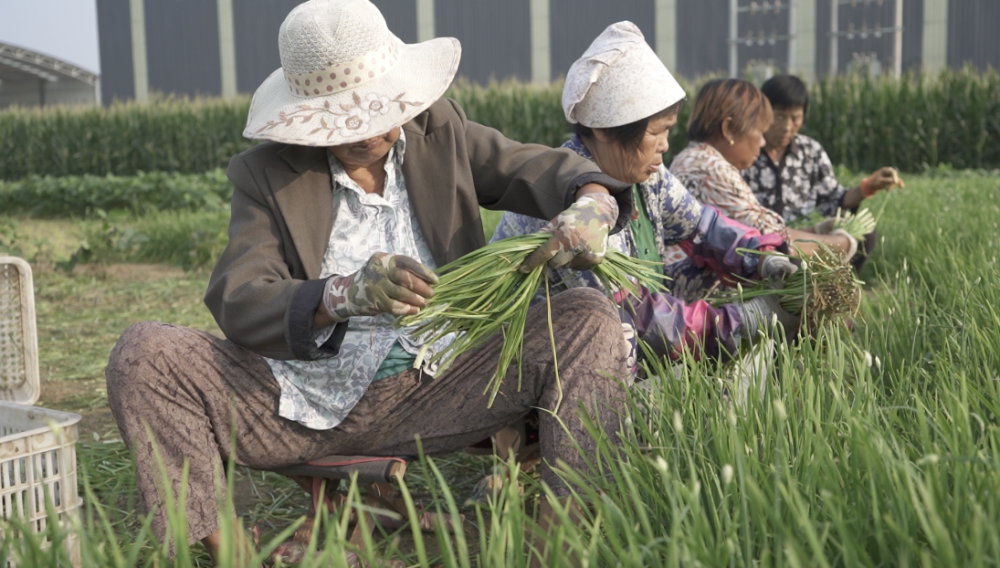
(618, 80)
(345, 77)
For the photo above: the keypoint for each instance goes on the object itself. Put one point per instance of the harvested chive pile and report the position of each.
(855, 225)
(824, 289)
(483, 294)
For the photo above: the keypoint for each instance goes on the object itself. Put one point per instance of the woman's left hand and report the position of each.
(776, 269)
(579, 235)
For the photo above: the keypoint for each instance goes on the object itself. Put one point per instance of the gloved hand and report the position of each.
(776, 268)
(763, 312)
(884, 178)
(391, 284)
(823, 227)
(853, 243)
(579, 235)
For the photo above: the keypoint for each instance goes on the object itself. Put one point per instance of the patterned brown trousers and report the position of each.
(192, 391)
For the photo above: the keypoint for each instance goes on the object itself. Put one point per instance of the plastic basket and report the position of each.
(18, 338)
(38, 465)
(37, 445)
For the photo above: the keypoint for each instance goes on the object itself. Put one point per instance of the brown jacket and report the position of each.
(265, 289)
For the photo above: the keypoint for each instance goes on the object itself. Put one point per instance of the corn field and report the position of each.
(912, 123)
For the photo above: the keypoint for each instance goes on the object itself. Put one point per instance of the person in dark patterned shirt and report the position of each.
(793, 175)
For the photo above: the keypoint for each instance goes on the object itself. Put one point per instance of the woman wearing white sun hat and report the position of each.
(622, 102)
(365, 183)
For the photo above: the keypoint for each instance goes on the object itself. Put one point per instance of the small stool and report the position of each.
(375, 472)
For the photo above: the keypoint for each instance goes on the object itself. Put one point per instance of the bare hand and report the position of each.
(885, 178)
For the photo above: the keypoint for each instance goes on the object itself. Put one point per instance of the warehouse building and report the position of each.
(29, 78)
(226, 47)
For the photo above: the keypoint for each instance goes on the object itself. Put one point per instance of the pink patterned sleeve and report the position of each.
(671, 327)
(714, 181)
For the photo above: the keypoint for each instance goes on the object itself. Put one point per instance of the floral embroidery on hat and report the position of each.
(348, 120)
(377, 104)
(354, 122)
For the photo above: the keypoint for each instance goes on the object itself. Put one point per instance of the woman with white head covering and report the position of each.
(622, 103)
(365, 182)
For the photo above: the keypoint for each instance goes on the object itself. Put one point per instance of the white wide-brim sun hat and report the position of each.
(345, 77)
(618, 80)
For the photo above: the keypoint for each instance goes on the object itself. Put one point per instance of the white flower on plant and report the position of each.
(353, 123)
(931, 459)
(661, 465)
(375, 104)
(727, 474)
(868, 359)
(678, 423)
(779, 410)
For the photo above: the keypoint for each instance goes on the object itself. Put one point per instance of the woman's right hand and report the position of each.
(390, 284)
(763, 313)
(883, 178)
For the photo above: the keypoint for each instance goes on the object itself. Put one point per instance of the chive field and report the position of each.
(872, 447)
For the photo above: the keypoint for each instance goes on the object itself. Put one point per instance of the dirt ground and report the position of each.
(87, 397)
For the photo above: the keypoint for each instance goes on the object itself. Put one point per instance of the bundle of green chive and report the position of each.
(855, 225)
(483, 294)
(824, 290)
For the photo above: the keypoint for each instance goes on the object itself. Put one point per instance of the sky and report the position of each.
(65, 29)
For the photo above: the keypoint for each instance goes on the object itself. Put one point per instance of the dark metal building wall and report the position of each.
(761, 26)
(913, 31)
(182, 47)
(822, 38)
(869, 14)
(702, 34)
(972, 33)
(401, 17)
(114, 37)
(495, 36)
(575, 23)
(255, 24)
(913, 35)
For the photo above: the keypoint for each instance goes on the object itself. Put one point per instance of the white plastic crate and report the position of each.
(18, 338)
(38, 463)
(37, 445)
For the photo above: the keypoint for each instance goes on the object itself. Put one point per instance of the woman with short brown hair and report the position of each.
(725, 134)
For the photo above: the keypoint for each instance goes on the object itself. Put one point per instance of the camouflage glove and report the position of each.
(763, 313)
(776, 268)
(385, 284)
(579, 235)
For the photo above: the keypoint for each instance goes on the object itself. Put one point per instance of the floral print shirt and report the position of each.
(672, 211)
(705, 252)
(319, 394)
(802, 182)
(714, 181)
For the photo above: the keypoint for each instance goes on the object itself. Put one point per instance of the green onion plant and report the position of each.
(483, 294)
